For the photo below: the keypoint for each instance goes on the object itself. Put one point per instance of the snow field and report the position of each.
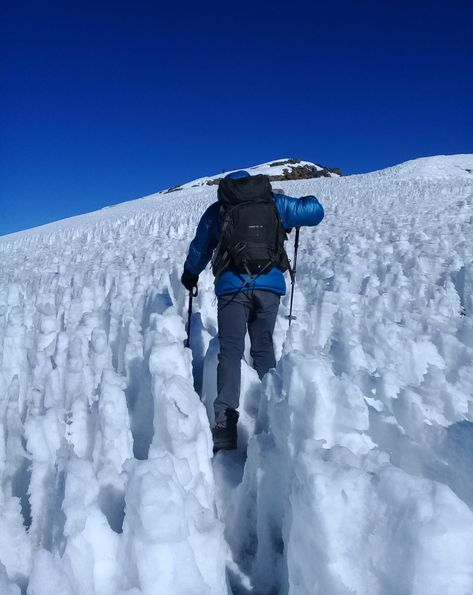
(358, 472)
(355, 478)
(107, 484)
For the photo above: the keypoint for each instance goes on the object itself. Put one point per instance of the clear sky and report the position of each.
(102, 102)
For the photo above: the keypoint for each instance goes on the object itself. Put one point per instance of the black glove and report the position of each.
(189, 280)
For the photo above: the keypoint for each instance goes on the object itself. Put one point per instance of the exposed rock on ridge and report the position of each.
(285, 169)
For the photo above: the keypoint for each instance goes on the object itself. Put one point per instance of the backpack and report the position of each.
(252, 235)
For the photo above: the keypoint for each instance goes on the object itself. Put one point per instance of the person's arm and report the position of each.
(296, 212)
(204, 242)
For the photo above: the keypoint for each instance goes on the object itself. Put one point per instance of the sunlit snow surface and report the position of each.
(359, 470)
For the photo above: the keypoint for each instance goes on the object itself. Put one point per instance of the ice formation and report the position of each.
(354, 468)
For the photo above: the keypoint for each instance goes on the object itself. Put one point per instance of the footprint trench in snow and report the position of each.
(355, 454)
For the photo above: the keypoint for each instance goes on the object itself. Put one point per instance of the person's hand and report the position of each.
(189, 280)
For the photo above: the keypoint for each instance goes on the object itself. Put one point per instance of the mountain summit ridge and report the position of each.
(277, 171)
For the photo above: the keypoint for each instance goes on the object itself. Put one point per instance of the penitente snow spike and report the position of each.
(293, 276)
(192, 294)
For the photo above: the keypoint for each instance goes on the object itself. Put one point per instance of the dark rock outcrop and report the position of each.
(295, 170)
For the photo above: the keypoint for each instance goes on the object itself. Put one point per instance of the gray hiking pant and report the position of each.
(257, 310)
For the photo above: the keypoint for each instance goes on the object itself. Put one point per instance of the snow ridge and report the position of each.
(357, 477)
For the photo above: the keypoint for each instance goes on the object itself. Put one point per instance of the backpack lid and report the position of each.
(249, 189)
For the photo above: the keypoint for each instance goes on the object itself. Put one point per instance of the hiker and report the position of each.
(243, 233)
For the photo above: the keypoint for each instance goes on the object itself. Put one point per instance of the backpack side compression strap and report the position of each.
(221, 258)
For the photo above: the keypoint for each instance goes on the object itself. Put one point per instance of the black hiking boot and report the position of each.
(224, 433)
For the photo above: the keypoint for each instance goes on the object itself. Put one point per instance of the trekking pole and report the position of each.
(293, 276)
(192, 294)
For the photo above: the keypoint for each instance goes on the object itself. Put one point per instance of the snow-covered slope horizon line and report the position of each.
(433, 167)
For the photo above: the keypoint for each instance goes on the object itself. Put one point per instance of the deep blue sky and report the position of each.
(102, 102)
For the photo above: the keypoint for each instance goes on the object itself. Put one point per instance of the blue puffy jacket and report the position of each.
(294, 212)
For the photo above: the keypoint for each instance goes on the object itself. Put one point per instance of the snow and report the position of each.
(353, 472)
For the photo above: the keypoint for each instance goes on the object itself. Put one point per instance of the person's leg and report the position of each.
(260, 328)
(233, 312)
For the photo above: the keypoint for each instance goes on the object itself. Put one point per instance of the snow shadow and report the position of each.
(112, 504)
(20, 484)
(463, 280)
(236, 585)
(231, 466)
(140, 406)
(457, 450)
(445, 457)
(197, 347)
(156, 303)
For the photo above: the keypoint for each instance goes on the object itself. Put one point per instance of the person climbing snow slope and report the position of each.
(243, 234)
